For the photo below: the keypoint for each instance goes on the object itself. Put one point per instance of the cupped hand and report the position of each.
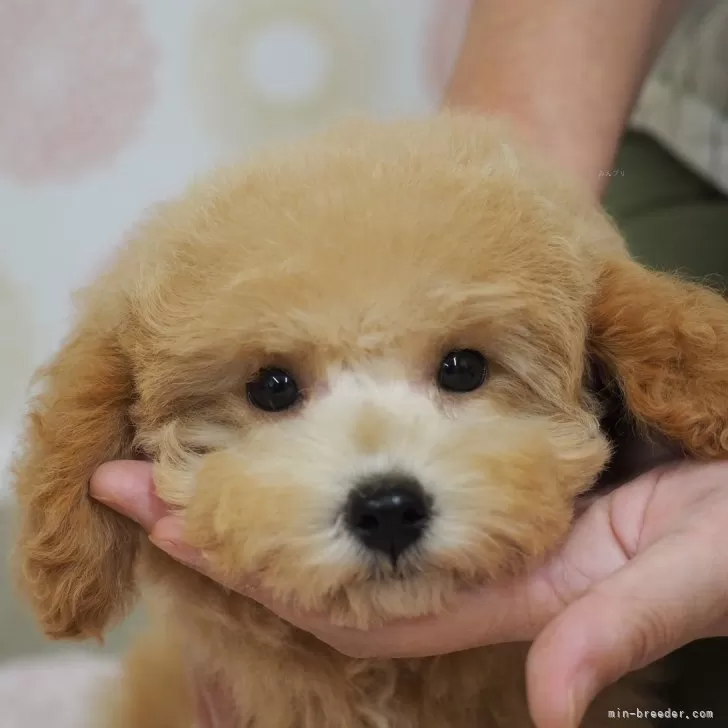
(643, 572)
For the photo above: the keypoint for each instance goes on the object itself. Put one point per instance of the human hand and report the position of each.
(643, 572)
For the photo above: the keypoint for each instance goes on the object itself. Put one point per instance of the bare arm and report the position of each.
(567, 72)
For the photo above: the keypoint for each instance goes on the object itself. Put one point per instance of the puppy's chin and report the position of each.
(369, 592)
(373, 596)
(373, 592)
(413, 592)
(376, 602)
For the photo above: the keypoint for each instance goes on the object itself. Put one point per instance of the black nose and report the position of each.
(388, 513)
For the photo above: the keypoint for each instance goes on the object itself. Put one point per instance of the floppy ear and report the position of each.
(74, 556)
(664, 342)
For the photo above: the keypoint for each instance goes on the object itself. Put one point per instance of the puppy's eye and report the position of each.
(273, 390)
(462, 371)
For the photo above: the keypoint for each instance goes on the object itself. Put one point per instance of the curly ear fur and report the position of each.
(74, 556)
(665, 342)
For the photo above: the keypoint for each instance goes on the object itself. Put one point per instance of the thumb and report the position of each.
(655, 604)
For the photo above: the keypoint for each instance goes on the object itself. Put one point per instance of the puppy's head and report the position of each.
(360, 369)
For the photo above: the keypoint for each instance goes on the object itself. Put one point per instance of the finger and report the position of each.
(168, 535)
(654, 605)
(127, 486)
(487, 616)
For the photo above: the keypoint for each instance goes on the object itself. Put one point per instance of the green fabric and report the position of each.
(671, 219)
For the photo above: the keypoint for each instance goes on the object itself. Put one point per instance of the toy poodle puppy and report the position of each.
(362, 366)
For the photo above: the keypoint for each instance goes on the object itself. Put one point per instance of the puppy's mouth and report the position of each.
(419, 567)
(396, 568)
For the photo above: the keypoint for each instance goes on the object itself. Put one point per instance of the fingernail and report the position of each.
(115, 506)
(580, 697)
(178, 552)
(167, 546)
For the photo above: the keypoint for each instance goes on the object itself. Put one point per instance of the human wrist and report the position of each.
(565, 73)
(583, 154)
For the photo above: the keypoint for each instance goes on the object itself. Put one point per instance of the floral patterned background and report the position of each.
(110, 106)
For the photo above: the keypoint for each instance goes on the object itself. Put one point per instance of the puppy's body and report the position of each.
(298, 682)
(372, 275)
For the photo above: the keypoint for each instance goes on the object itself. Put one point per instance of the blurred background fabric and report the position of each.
(684, 103)
(108, 106)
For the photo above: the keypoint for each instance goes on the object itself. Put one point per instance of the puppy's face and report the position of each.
(363, 379)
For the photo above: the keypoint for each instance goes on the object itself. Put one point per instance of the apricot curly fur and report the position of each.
(75, 558)
(666, 342)
(355, 260)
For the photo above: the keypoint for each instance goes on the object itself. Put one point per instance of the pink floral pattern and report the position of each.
(76, 80)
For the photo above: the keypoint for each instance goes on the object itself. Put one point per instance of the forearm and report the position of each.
(567, 72)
